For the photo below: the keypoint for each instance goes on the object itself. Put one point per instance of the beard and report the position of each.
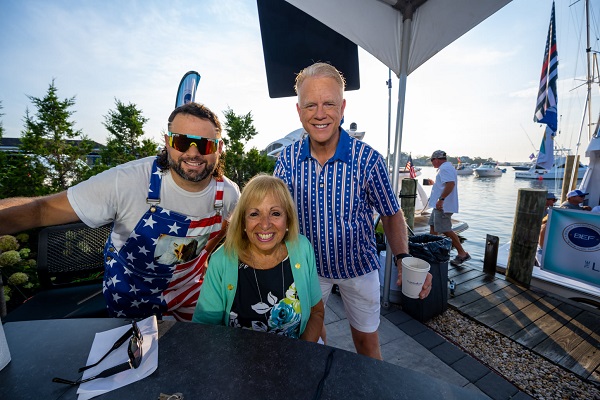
(191, 176)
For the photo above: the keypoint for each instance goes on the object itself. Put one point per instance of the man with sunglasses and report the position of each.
(575, 199)
(168, 213)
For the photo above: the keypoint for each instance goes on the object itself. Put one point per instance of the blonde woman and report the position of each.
(264, 277)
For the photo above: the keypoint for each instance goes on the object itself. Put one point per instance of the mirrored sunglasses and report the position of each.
(182, 142)
(134, 351)
(133, 331)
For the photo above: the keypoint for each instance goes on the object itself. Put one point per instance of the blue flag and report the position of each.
(187, 88)
(547, 101)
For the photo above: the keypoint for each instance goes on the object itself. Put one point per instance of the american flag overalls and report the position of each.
(160, 268)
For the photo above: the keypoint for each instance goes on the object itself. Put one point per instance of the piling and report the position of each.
(490, 258)
(525, 235)
(570, 176)
(408, 194)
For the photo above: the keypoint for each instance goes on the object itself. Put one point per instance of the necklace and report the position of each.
(258, 287)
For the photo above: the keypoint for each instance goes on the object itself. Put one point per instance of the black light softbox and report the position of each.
(293, 40)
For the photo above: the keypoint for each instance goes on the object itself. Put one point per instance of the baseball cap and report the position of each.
(576, 192)
(550, 196)
(438, 154)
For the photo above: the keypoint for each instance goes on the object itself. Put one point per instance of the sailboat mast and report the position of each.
(588, 51)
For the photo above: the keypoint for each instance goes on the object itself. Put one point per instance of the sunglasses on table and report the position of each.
(134, 351)
(182, 142)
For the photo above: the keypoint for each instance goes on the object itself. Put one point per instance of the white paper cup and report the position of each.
(4, 353)
(414, 272)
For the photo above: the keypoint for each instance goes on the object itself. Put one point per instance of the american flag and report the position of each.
(546, 108)
(410, 167)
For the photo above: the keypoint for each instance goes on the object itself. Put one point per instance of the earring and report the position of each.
(286, 229)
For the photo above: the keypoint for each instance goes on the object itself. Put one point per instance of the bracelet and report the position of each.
(400, 256)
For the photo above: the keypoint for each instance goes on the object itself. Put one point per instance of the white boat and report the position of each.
(403, 173)
(464, 169)
(523, 166)
(556, 172)
(275, 147)
(488, 169)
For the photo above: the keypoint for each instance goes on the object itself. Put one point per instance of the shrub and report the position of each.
(18, 269)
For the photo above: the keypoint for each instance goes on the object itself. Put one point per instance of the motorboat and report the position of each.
(275, 147)
(463, 169)
(556, 172)
(524, 167)
(488, 169)
(404, 173)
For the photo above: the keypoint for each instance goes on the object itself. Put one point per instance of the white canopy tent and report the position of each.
(402, 34)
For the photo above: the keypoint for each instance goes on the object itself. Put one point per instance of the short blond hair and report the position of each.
(253, 193)
(320, 70)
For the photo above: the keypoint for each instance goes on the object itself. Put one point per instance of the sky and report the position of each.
(476, 97)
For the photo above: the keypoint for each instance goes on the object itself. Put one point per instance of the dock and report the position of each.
(563, 332)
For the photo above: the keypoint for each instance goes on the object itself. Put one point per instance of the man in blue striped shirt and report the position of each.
(337, 182)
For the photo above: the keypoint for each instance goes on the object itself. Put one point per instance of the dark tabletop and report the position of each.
(210, 362)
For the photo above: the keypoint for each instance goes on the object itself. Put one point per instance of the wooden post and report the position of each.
(526, 232)
(569, 184)
(408, 194)
(490, 258)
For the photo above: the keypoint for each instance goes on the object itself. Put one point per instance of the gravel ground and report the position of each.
(532, 373)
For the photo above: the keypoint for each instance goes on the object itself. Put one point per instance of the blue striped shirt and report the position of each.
(335, 203)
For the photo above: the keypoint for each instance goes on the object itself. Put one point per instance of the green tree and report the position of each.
(1, 126)
(22, 175)
(125, 125)
(240, 166)
(126, 128)
(50, 136)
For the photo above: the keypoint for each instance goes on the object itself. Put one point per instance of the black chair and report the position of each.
(70, 269)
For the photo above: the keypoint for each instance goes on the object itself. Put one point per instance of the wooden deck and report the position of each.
(564, 332)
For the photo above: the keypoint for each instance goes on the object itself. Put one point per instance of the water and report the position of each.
(488, 205)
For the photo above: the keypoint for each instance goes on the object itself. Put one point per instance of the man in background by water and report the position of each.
(574, 200)
(550, 200)
(445, 195)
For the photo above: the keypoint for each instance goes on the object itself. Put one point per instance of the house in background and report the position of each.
(11, 145)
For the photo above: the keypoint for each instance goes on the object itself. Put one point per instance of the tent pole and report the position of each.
(388, 160)
(405, 47)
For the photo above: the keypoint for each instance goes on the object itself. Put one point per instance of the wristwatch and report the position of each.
(400, 256)
(441, 198)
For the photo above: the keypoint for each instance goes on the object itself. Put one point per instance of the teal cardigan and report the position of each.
(220, 283)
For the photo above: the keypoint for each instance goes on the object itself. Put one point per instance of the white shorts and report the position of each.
(361, 297)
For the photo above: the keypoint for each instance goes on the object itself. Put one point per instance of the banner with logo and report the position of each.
(572, 245)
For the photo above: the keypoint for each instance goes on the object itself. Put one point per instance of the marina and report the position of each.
(488, 206)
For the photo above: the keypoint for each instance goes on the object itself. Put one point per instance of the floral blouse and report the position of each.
(266, 300)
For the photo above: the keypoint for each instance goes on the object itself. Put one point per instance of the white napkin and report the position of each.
(102, 342)
(4, 352)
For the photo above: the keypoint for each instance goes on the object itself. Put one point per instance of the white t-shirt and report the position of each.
(119, 194)
(446, 173)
